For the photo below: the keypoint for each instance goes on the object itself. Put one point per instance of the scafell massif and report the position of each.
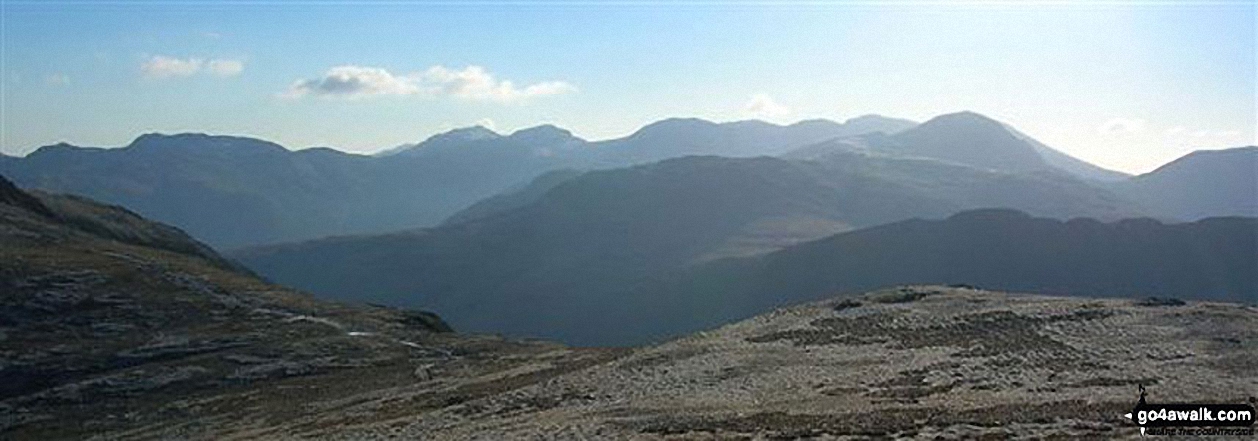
(737, 280)
(633, 249)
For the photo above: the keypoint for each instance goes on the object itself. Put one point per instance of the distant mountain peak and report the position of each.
(545, 133)
(202, 140)
(878, 124)
(445, 140)
(1198, 158)
(970, 138)
(672, 125)
(870, 117)
(814, 122)
(990, 215)
(473, 133)
(965, 117)
(54, 149)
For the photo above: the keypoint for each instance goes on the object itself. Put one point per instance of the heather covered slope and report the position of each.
(924, 361)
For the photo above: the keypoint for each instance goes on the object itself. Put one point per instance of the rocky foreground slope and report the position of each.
(117, 327)
(108, 333)
(914, 361)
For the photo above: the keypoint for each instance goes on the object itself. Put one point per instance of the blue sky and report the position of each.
(1125, 85)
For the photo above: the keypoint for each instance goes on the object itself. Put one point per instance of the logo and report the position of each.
(1192, 419)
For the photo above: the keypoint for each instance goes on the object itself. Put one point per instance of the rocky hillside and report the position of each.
(928, 362)
(113, 325)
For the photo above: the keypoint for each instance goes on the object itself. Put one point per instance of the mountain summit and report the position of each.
(1200, 184)
(965, 138)
(545, 133)
(969, 138)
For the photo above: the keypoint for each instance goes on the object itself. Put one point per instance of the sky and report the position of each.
(1125, 85)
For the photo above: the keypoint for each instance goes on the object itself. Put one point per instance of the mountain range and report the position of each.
(117, 327)
(235, 191)
(588, 229)
(573, 277)
(966, 138)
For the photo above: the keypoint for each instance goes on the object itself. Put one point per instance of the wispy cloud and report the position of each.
(57, 79)
(474, 82)
(226, 68)
(1122, 126)
(470, 83)
(353, 82)
(763, 106)
(163, 67)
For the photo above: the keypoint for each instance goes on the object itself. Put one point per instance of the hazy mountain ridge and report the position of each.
(184, 348)
(1202, 183)
(575, 242)
(965, 138)
(1070, 164)
(1211, 259)
(236, 191)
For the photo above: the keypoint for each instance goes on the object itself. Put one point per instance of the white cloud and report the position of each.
(1122, 126)
(352, 82)
(160, 67)
(163, 67)
(226, 68)
(763, 106)
(471, 83)
(486, 123)
(57, 79)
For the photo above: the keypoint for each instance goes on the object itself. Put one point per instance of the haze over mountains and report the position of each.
(966, 138)
(545, 222)
(117, 327)
(108, 313)
(560, 280)
(233, 191)
(1202, 183)
(522, 262)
